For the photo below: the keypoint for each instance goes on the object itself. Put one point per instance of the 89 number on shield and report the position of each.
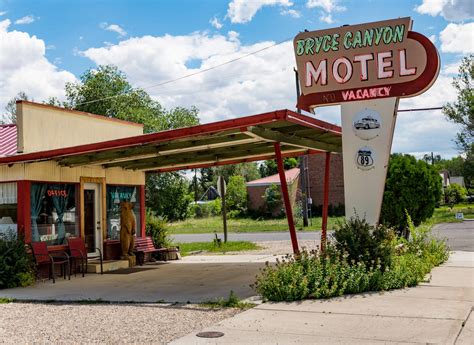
(365, 158)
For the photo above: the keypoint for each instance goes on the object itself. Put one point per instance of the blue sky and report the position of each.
(47, 43)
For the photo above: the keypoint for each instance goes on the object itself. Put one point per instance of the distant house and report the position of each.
(445, 176)
(256, 190)
(459, 180)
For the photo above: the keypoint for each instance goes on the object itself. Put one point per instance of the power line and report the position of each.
(194, 73)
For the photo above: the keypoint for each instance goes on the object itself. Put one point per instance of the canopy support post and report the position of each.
(325, 202)
(286, 198)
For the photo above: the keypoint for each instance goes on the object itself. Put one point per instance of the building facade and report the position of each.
(43, 201)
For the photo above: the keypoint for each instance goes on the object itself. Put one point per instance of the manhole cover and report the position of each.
(210, 334)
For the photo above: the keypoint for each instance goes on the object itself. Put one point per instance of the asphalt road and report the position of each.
(460, 236)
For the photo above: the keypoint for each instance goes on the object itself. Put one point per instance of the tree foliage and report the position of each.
(269, 167)
(236, 195)
(106, 91)
(10, 108)
(462, 110)
(411, 185)
(167, 195)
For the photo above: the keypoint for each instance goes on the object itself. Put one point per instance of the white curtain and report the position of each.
(8, 193)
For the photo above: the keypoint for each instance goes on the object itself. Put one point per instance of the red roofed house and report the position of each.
(256, 190)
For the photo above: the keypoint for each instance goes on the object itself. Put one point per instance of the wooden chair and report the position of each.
(78, 252)
(43, 257)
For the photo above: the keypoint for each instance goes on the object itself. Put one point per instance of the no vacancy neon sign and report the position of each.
(360, 62)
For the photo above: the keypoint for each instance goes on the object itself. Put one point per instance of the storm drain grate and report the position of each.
(211, 334)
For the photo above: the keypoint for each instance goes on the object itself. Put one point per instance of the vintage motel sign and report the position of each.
(366, 68)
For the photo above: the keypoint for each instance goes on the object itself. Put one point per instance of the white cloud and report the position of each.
(3, 13)
(215, 23)
(242, 11)
(327, 5)
(432, 38)
(25, 68)
(457, 38)
(257, 83)
(25, 20)
(326, 18)
(452, 10)
(114, 28)
(291, 13)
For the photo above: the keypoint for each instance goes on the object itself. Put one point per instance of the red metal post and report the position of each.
(325, 202)
(286, 198)
(23, 211)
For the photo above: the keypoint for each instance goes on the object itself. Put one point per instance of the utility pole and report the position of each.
(224, 210)
(302, 164)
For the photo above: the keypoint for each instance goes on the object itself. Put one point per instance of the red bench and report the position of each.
(145, 245)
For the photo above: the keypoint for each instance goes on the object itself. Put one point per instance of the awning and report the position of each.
(233, 141)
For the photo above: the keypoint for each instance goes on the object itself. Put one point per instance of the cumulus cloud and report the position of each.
(215, 23)
(457, 38)
(242, 11)
(114, 28)
(3, 13)
(452, 10)
(25, 20)
(257, 83)
(25, 68)
(326, 18)
(291, 13)
(327, 5)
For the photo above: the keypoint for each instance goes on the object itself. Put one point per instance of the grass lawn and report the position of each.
(210, 247)
(445, 214)
(211, 224)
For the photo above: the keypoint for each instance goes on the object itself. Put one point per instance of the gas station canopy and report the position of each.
(233, 141)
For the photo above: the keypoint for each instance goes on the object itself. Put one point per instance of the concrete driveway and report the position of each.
(196, 281)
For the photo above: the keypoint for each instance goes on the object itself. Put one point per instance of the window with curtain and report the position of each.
(53, 210)
(115, 195)
(8, 208)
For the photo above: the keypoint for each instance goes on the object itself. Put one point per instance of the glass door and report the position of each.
(92, 219)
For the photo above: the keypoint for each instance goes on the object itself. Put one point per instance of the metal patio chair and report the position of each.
(43, 257)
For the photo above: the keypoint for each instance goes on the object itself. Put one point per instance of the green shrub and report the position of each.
(334, 273)
(236, 196)
(411, 185)
(157, 228)
(16, 266)
(208, 209)
(370, 245)
(454, 194)
(273, 201)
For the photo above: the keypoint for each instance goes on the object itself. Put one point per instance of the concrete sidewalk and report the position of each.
(438, 312)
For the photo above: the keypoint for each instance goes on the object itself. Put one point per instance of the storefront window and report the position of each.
(115, 195)
(54, 215)
(8, 209)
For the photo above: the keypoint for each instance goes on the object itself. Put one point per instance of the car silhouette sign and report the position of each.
(367, 123)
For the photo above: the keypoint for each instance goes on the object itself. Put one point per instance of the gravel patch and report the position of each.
(22, 323)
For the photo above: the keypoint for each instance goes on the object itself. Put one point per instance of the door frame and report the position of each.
(99, 182)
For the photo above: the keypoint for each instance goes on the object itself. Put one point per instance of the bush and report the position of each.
(236, 196)
(16, 266)
(370, 245)
(273, 201)
(157, 228)
(411, 185)
(333, 273)
(454, 194)
(208, 209)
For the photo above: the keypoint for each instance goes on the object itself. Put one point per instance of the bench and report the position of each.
(145, 245)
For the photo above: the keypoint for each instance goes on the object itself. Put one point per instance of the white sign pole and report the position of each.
(367, 132)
